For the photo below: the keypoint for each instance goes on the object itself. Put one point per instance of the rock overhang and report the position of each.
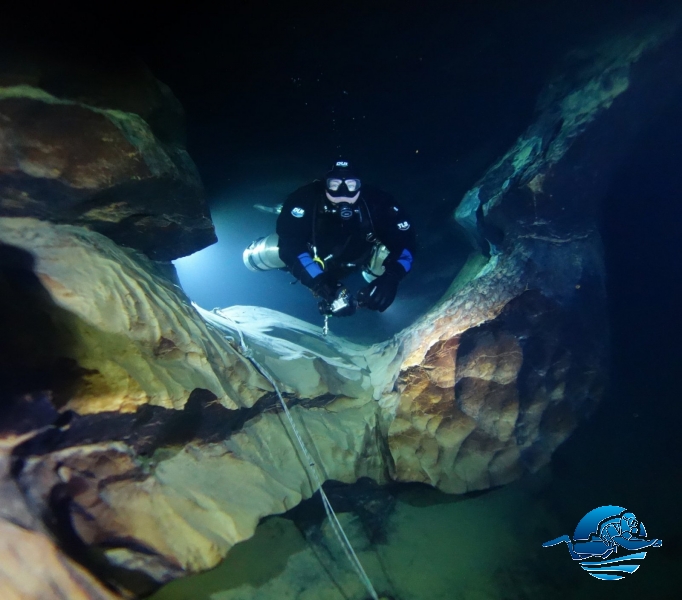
(111, 158)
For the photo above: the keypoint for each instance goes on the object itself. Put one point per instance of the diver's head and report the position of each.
(630, 522)
(341, 184)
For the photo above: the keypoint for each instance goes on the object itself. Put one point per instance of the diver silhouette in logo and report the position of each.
(600, 533)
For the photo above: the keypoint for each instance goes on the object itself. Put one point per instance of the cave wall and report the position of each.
(100, 146)
(515, 355)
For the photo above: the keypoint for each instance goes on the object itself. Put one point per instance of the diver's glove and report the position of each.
(326, 287)
(379, 294)
(344, 305)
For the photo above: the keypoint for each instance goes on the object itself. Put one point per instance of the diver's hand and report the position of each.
(344, 305)
(379, 294)
(326, 287)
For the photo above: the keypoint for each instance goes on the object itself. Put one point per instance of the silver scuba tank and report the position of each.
(263, 254)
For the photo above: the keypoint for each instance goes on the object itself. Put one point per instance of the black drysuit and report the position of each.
(310, 226)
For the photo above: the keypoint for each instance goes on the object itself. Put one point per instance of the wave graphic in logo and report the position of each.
(616, 568)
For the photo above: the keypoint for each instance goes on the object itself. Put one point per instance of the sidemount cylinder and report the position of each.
(263, 254)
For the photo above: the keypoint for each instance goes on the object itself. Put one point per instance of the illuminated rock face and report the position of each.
(132, 334)
(104, 151)
(500, 372)
(159, 442)
(494, 401)
(168, 446)
(33, 568)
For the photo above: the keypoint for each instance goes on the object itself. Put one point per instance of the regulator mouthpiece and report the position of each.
(345, 210)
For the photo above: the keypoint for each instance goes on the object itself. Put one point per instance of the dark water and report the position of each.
(423, 100)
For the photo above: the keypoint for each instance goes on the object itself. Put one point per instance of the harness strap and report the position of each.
(370, 236)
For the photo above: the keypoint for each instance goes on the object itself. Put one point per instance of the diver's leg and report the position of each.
(563, 538)
(569, 543)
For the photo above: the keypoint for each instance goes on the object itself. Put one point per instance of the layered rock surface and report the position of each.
(155, 442)
(132, 333)
(500, 372)
(168, 447)
(101, 149)
(33, 567)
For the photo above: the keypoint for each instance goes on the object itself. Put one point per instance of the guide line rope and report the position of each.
(312, 470)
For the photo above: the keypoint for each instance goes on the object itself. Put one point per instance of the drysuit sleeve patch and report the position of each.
(405, 260)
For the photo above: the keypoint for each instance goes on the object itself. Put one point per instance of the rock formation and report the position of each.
(152, 442)
(104, 150)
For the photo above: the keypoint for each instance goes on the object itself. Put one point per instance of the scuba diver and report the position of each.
(622, 530)
(329, 229)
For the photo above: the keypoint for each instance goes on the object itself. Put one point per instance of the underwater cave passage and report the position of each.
(216, 277)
